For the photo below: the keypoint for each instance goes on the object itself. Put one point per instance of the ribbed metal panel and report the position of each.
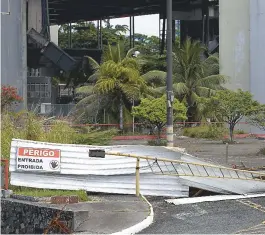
(116, 174)
(111, 174)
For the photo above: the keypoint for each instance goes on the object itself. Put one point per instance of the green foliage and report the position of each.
(34, 192)
(158, 142)
(258, 118)
(154, 112)
(230, 107)
(195, 77)
(84, 34)
(212, 132)
(29, 126)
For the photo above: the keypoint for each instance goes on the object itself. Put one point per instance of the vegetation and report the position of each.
(25, 125)
(153, 111)
(34, 192)
(258, 118)
(230, 107)
(9, 98)
(209, 131)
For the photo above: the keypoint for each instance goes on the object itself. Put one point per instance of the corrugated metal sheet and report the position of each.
(110, 175)
(116, 174)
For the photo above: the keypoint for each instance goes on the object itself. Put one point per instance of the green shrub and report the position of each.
(157, 142)
(205, 132)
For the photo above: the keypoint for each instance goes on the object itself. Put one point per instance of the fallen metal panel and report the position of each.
(116, 174)
(109, 175)
(121, 184)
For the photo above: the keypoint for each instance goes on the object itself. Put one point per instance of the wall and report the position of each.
(257, 49)
(242, 46)
(13, 47)
(234, 42)
(28, 218)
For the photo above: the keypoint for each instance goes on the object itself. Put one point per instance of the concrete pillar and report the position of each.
(234, 25)
(242, 45)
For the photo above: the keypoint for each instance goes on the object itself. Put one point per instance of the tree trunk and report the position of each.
(121, 114)
(159, 129)
(231, 131)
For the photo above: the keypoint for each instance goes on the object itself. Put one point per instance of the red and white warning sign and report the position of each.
(38, 159)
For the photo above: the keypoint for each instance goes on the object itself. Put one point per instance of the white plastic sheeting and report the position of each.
(116, 174)
(111, 174)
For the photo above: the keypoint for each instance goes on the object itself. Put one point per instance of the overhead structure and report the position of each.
(65, 11)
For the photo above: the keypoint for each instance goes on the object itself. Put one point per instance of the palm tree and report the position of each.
(116, 81)
(193, 76)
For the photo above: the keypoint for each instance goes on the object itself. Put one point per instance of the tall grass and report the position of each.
(29, 126)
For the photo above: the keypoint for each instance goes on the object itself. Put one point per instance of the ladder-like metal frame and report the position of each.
(163, 166)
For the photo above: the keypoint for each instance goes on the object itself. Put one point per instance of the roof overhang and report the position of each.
(66, 11)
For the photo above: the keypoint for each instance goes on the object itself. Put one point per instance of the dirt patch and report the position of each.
(244, 152)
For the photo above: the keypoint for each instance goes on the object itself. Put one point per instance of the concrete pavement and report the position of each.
(218, 217)
(111, 214)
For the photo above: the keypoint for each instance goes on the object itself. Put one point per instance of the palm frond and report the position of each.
(89, 64)
(85, 90)
(155, 78)
(180, 88)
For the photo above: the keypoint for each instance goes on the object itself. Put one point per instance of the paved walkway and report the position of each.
(108, 214)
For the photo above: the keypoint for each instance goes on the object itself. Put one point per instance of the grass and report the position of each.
(34, 192)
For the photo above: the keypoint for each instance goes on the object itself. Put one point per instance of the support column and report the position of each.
(169, 76)
(24, 53)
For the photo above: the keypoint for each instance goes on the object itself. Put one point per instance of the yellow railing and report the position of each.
(189, 169)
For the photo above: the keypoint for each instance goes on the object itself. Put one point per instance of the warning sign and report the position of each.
(38, 159)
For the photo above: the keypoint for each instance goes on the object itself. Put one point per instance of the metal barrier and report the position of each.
(4, 174)
(170, 167)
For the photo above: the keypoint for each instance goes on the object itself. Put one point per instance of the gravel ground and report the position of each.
(245, 151)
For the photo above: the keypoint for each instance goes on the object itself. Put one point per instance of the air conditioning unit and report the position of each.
(45, 108)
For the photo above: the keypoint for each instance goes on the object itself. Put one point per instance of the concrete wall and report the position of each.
(235, 42)
(13, 47)
(19, 217)
(242, 46)
(257, 49)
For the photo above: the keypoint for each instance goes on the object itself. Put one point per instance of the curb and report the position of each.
(191, 200)
(140, 226)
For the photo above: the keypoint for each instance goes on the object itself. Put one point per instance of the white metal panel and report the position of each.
(116, 174)
(113, 174)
